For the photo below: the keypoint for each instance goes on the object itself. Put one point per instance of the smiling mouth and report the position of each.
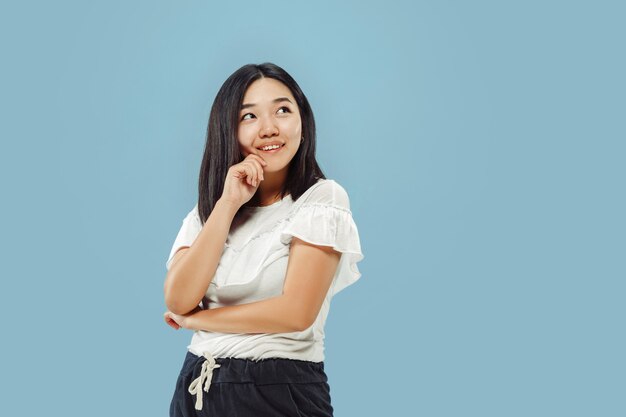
(272, 150)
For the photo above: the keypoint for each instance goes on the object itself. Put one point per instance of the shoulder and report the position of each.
(194, 212)
(327, 192)
(193, 216)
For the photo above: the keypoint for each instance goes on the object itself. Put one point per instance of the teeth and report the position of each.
(267, 148)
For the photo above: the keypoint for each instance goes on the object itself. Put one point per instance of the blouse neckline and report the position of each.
(275, 204)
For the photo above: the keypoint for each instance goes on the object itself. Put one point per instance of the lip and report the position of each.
(272, 142)
(272, 150)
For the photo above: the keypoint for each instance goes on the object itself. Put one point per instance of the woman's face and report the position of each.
(269, 114)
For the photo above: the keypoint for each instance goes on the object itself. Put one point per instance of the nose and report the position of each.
(268, 129)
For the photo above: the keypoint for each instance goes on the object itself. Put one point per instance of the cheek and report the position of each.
(245, 145)
(296, 129)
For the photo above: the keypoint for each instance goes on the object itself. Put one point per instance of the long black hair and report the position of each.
(221, 150)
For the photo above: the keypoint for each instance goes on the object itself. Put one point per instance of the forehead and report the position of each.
(264, 90)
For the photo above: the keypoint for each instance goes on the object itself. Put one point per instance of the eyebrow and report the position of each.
(276, 100)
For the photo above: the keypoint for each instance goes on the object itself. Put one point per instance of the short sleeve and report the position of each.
(324, 218)
(187, 234)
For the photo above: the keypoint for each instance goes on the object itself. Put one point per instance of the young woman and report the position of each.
(257, 260)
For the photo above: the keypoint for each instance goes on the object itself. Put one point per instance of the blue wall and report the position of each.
(481, 143)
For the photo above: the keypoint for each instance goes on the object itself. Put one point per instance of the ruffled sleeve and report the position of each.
(324, 218)
(187, 234)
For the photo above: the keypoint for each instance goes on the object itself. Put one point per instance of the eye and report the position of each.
(283, 107)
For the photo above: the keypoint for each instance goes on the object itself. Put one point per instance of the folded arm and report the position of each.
(310, 272)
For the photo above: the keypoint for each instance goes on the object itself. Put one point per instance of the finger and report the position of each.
(259, 158)
(171, 323)
(260, 170)
(254, 171)
(251, 174)
(258, 167)
(244, 172)
(258, 163)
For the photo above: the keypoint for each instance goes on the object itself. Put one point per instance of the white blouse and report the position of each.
(253, 267)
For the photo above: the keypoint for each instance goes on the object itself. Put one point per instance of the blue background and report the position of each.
(481, 144)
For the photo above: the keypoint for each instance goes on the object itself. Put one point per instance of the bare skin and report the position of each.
(268, 121)
(257, 180)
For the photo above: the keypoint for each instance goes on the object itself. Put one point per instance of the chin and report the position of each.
(274, 167)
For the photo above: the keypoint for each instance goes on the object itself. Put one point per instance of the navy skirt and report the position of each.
(233, 387)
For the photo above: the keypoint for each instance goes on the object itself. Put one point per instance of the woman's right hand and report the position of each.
(243, 179)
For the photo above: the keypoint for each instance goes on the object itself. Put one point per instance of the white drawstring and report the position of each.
(195, 388)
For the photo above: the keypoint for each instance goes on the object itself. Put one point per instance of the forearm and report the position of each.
(188, 278)
(272, 315)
